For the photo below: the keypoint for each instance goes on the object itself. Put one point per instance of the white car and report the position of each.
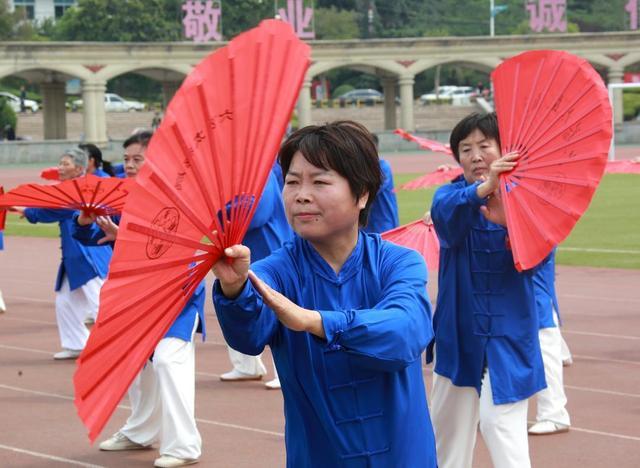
(114, 103)
(456, 94)
(14, 102)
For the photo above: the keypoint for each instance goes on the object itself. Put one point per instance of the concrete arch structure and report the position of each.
(395, 61)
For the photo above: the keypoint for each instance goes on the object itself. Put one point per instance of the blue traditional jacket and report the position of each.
(544, 284)
(269, 228)
(1, 240)
(79, 263)
(383, 214)
(183, 325)
(485, 314)
(356, 399)
(100, 173)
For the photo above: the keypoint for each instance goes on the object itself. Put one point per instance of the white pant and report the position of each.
(72, 307)
(163, 401)
(456, 413)
(552, 400)
(251, 365)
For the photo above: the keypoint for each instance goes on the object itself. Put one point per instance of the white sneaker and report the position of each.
(167, 461)
(237, 376)
(119, 441)
(67, 354)
(548, 428)
(3, 306)
(567, 362)
(89, 321)
(273, 384)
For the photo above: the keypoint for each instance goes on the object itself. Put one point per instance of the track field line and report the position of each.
(604, 392)
(126, 407)
(617, 361)
(601, 335)
(48, 457)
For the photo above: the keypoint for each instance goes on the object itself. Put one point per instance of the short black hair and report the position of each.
(93, 152)
(142, 137)
(487, 123)
(344, 146)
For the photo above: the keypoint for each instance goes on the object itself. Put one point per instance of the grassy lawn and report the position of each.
(608, 235)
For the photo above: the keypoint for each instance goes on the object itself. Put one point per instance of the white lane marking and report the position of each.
(593, 250)
(203, 421)
(49, 457)
(599, 298)
(44, 322)
(30, 350)
(29, 299)
(605, 392)
(602, 335)
(608, 434)
(207, 374)
(617, 361)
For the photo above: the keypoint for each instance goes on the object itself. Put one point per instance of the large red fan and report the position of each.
(206, 167)
(442, 175)
(418, 236)
(89, 194)
(552, 108)
(425, 143)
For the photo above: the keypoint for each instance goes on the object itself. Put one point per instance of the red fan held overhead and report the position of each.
(425, 143)
(205, 169)
(420, 236)
(552, 108)
(90, 194)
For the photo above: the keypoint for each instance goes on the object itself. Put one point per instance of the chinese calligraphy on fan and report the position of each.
(202, 20)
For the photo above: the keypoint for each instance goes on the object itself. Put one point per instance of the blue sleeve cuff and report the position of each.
(30, 214)
(244, 298)
(334, 322)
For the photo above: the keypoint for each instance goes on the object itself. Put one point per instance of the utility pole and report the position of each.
(492, 19)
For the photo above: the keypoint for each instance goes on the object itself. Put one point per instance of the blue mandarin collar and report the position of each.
(320, 266)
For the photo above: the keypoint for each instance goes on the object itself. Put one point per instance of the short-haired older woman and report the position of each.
(82, 270)
(345, 313)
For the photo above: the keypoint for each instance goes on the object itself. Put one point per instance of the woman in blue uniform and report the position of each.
(82, 270)
(346, 314)
(488, 358)
(163, 394)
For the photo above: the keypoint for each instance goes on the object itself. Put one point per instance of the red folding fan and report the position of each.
(622, 167)
(205, 169)
(418, 236)
(89, 194)
(425, 143)
(50, 173)
(554, 110)
(442, 175)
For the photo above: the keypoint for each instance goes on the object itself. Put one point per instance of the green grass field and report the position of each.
(608, 235)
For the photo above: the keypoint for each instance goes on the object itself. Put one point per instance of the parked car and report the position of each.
(114, 103)
(456, 94)
(14, 102)
(365, 96)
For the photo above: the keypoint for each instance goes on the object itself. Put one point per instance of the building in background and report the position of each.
(41, 10)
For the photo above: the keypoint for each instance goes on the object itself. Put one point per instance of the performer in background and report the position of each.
(346, 314)
(552, 416)
(267, 232)
(82, 270)
(487, 352)
(163, 395)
